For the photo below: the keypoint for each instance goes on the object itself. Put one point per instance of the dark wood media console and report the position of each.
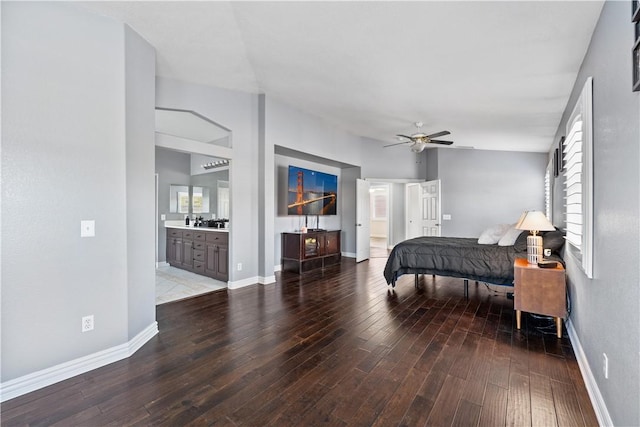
(307, 251)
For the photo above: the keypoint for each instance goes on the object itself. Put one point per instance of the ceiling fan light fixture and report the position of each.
(418, 147)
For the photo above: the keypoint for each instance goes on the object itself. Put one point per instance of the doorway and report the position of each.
(379, 219)
(185, 188)
(192, 152)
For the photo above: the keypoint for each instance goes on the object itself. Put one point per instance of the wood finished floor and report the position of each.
(334, 348)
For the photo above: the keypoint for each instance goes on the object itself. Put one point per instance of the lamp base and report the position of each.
(534, 249)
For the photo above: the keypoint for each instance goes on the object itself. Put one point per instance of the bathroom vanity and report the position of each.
(201, 250)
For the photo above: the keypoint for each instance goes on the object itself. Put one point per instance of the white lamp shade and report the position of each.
(534, 221)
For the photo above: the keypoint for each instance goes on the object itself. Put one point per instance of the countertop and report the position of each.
(191, 227)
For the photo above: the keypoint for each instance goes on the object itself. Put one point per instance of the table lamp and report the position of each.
(534, 221)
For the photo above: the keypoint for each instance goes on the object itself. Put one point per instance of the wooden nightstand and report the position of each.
(540, 290)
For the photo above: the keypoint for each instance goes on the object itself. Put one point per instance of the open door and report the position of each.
(430, 202)
(363, 232)
(423, 209)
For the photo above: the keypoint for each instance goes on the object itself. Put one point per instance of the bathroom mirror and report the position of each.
(200, 202)
(179, 198)
(183, 196)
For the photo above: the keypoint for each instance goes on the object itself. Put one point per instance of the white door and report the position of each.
(363, 231)
(414, 225)
(430, 208)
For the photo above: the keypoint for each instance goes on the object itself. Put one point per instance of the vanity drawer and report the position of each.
(187, 234)
(198, 255)
(199, 235)
(174, 232)
(198, 267)
(198, 245)
(217, 237)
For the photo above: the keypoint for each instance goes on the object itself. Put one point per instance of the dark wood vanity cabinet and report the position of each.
(200, 251)
(307, 251)
(217, 256)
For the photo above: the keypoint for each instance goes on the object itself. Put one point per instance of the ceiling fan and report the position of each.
(420, 140)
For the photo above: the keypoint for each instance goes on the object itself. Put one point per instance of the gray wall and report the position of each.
(64, 159)
(482, 188)
(140, 91)
(397, 162)
(605, 310)
(432, 164)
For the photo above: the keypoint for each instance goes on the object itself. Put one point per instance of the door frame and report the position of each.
(363, 225)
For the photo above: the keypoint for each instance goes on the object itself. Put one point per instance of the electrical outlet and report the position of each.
(87, 323)
(163, 217)
(239, 266)
(605, 365)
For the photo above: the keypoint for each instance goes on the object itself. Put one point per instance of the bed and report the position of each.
(462, 257)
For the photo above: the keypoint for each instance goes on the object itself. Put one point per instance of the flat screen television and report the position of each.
(311, 192)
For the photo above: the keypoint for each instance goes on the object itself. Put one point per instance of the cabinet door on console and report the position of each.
(332, 243)
(312, 245)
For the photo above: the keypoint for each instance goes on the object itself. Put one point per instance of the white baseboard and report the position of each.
(600, 408)
(277, 268)
(242, 283)
(266, 280)
(162, 264)
(349, 254)
(45, 377)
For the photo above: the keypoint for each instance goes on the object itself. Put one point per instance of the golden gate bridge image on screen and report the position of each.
(310, 202)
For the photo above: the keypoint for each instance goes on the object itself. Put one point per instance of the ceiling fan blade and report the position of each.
(397, 143)
(439, 141)
(437, 134)
(406, 136)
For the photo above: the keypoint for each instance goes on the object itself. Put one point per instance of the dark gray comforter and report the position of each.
(452, 256)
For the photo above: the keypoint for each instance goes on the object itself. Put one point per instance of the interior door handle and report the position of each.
(358, 225)
(437, 225)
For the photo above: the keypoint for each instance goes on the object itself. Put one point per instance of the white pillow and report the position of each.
(509, 238)
(492, 235)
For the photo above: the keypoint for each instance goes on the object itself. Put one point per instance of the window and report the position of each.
(578, 180)
(548, 199)
(380, 206)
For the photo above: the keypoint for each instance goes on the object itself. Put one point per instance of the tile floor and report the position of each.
(173, 284)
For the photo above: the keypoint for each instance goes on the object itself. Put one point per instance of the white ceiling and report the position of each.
(496, 74)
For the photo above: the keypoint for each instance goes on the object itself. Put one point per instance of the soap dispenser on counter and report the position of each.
(186, 220)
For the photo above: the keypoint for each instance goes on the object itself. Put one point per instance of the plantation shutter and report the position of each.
(578, 180)
(547, 191)
(573, 182)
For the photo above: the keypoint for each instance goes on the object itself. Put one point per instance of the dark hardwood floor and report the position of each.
(334, 348)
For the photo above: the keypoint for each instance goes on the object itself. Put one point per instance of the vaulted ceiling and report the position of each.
(496, 74)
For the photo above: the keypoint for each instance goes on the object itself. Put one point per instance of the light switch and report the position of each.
(446, 217)
(163, 217)
(87, 228)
